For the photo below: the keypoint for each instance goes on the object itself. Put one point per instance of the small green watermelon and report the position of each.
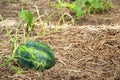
(35, 55)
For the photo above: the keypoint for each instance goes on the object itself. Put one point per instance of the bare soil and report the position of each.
(87, 50)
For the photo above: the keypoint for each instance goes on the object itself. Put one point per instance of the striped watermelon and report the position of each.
(35, 55)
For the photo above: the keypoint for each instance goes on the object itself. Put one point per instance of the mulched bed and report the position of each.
(88, 50)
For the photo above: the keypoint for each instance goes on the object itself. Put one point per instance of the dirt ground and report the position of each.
(87, 50)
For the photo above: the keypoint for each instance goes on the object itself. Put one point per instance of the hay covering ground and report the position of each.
(88, 51)
(82, 53)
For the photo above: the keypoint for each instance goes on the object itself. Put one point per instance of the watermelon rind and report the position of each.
(35, 55)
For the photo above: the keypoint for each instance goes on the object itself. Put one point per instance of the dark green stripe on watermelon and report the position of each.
(42, 47)
(36, 55)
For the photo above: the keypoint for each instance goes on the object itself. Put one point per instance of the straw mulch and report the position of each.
(82, 53)
(85, 53)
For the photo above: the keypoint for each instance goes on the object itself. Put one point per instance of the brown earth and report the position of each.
(87, 50)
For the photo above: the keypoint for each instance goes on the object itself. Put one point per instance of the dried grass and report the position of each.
(85, 53)
(81, 52)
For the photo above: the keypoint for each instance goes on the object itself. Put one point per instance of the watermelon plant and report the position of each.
(30, 54)
(35, 55)
(81, 7)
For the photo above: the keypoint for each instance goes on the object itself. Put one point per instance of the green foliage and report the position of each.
(27, 17)
(7, 61)
(67, 5)
(81, 7)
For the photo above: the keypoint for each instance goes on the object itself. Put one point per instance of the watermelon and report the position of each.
(35, 55)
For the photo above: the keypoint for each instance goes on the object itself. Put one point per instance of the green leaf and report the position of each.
(68, 5)
(87, 4)
(78, 11)
(22, 14)
(27, 16)
(96, 4)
